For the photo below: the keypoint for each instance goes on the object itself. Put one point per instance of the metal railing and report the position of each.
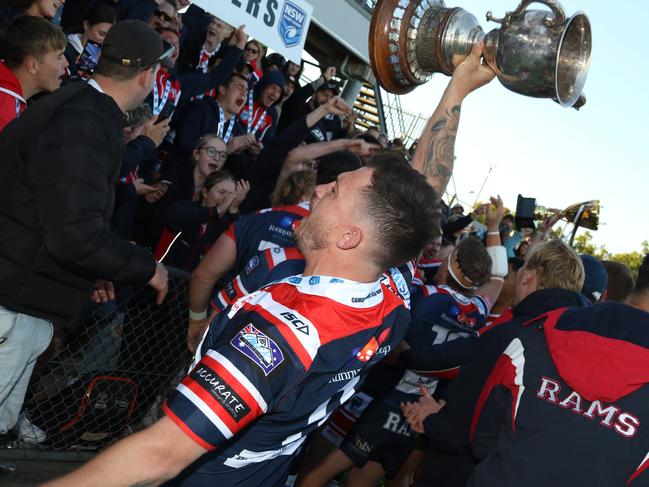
(109, 375)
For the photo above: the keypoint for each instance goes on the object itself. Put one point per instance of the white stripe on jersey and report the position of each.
(205, 409)
(300, 326)
(240, 284)
(243, 380)
(278, 255)
(247, 457)
(221, 297)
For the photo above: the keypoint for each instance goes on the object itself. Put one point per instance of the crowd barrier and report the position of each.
(107, 376)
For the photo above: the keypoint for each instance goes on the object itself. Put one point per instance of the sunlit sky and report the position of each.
(559, 155)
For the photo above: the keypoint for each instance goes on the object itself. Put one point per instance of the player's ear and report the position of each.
(349, 238)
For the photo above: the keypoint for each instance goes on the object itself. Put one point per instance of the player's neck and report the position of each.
(640, 300)
(323, 263)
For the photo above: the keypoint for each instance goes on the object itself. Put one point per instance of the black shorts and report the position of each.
(381, 435)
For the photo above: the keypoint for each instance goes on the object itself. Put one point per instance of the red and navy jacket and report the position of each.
(12, 103)
(448, 430)
(567, 402)
(266, 229)
(262, 378)
(265, 267)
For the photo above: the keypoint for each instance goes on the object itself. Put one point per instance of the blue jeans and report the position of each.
(22, 339)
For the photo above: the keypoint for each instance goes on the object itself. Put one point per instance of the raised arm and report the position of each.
(435, 152)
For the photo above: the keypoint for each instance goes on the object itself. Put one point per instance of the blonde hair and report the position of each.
(557, 265)
(294, 188)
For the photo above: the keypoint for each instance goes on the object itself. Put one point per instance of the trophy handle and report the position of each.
(558, 17)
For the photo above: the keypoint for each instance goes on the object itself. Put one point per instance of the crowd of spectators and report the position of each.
(183, 144)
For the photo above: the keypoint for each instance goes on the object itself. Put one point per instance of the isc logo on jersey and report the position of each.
(297, 323)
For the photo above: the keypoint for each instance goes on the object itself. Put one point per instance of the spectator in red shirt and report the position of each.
(33, 61)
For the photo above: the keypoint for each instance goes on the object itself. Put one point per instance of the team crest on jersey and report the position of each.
(252, 264)
(291, 24)
(261, 349)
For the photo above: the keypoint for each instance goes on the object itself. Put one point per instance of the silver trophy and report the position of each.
(536, 53)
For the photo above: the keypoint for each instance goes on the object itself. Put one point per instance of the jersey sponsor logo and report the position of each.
(251, 264)
(261, 349)
(344, 376)
(224, 394)
(369, 296)
(297, 323)
(609, 416)
(370, 349)
(291, 24)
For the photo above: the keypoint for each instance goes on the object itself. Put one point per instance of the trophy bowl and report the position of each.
(536, 53)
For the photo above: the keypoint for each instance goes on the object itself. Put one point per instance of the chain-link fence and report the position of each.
(107, 376)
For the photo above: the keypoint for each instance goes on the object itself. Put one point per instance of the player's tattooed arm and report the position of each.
(440, 149)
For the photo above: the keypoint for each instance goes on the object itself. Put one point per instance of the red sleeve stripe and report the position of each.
(230, 233)
(206, 405)
(269, 258)
(507, 372)
(293, 253)
(641, 468)
(186, 429)
(223, 364)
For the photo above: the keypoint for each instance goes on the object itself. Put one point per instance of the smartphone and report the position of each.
(88, 59)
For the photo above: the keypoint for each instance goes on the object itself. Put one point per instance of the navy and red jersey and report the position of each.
(427, 269)
(262, 119)
(262, 269)
(265, 229)
(167, 90)
(269, 370)
(443, 331)
(567, 402)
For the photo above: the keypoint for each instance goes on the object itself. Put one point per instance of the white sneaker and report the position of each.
(28, 432)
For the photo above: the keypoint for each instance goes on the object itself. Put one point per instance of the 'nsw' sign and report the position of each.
(280, 24)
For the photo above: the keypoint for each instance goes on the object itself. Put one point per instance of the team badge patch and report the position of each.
(259, 348)
(291, 24)
(252, 264)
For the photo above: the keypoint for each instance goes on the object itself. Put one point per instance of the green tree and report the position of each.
(583, 245)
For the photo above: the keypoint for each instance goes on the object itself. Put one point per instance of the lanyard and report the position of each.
(254, 130)
(158, 104)
(19, 99)
(221, 128)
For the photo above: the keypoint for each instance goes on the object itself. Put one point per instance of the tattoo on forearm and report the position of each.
(438, 165)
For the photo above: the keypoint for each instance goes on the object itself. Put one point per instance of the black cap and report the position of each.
(132, 43)
(329, 85)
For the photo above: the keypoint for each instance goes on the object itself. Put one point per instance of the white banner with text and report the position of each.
(280, 24)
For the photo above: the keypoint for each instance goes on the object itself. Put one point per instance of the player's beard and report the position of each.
(310, 236)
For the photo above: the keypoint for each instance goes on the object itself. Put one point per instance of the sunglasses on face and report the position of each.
(252, 50)
(218, 155)
(163, 16)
